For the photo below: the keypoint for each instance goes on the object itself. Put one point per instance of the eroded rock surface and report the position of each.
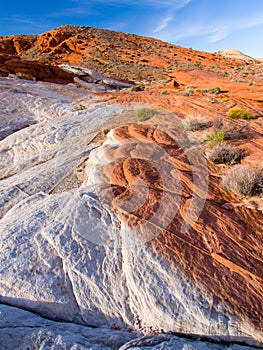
(171, 342)
(203, 268)
(142, 241)
(32, 70)
(20, 329)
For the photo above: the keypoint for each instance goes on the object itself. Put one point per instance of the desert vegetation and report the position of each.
(215, 137)
(226, 154)
(136, 88)
(189, 90)
(194, 123)
(232, 131)
(243, 180)
(145, 114)
(216, 90)
(80, 107)
(239, 113)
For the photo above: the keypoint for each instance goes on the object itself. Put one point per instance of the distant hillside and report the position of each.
(231, 53)
(123, 56)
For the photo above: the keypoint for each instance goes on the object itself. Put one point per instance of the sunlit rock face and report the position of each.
(188, 258)
(141, 240)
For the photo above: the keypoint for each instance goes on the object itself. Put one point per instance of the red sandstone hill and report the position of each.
(117, 54)
(130, 57)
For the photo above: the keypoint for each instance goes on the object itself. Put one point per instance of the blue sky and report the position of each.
(209, 25)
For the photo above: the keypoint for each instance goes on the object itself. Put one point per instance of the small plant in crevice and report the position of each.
(81, 107)
(136, 88)
(145, 114)
(105, 131)
(226, 154)
(244, 181)
(215, 138)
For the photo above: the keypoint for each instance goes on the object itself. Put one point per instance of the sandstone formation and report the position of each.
(21, 329)
(105, 239)
(230, 53)
(32, 70)
(170, 342)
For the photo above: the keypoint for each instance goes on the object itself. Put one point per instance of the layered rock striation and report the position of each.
(132, 234)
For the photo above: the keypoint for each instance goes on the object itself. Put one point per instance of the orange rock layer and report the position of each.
(221, 250)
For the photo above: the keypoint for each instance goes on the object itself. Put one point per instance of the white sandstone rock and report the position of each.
(21, 329)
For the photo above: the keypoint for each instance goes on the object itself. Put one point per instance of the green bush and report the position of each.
(215, 138)
(225, 154)
(243, 180)
(216, 90)
(145, 114)
(137, 88)
(239, 113)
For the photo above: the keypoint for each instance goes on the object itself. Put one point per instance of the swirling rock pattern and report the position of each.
(204, 268)
(141, 242)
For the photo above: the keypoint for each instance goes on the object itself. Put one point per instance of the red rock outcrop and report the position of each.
(33, 70)
(221, 250)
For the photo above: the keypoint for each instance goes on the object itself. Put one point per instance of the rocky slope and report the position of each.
(104, 239)
(123, 56)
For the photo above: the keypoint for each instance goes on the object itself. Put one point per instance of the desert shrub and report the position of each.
(145, 114)
(218, 123)
(215, 138)
(216, 90)
(226, 154)
(105, 131)
(137, 88)
(81, 108)
(189, 90)
(195, 123)
(239, 113)
(243, 180)
(236, 132)
(232, 132)
(225, 99)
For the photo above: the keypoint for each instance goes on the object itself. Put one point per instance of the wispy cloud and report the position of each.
(165, 21)
(225, 29)
(15, 19)
(212, 31)
(218, 34)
